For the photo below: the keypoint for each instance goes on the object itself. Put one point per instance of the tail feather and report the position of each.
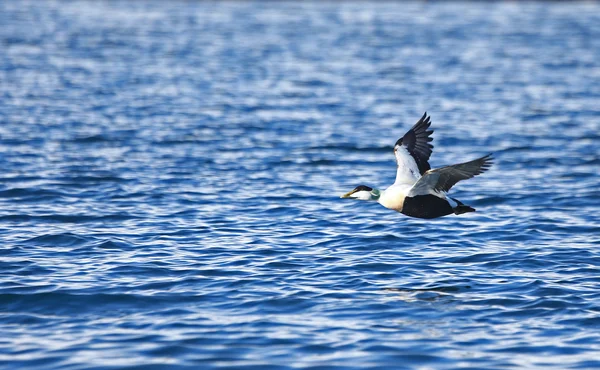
(461, 208)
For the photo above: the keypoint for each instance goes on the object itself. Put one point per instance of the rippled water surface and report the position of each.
(171, 172)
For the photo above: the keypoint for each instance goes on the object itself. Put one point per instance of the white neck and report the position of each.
(393, 197)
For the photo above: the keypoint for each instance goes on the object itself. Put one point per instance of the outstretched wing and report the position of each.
(413, 150)
(442, 179)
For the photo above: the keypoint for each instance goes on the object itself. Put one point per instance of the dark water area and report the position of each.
(171, 173)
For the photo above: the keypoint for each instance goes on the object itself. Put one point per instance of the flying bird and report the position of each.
(420, 191)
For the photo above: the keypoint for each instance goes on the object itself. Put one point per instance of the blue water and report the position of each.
(171, 172)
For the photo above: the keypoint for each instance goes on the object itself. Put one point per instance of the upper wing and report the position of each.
(413, 150)
(442, 179)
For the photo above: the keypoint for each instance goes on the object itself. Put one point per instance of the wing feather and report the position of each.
(417, 142)
(444, 178)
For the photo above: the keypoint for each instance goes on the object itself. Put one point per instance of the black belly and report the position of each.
(426, 206)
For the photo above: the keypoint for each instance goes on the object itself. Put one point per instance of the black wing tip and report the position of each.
(421, 128)
(423, 123)
(486, 163)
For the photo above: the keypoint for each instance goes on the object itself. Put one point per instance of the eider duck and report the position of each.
(420, 191)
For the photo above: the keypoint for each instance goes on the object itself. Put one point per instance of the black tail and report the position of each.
(461, 208)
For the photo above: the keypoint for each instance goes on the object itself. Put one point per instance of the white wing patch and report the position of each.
(408, 171)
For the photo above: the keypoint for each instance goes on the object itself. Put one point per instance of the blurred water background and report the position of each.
(171, 172)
